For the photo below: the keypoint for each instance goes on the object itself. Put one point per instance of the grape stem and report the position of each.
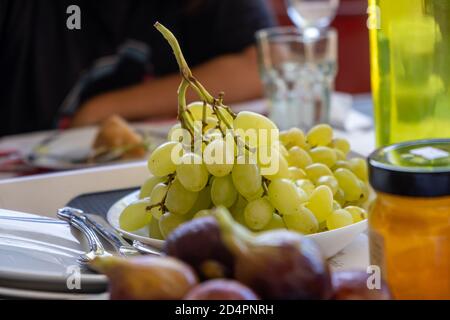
(186, 72)
(235, 237)
(162, 203)
(265, 182)
(190, 81)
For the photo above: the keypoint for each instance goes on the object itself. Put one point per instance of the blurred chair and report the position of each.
(354, 65)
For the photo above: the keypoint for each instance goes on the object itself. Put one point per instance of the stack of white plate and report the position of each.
(38, 260)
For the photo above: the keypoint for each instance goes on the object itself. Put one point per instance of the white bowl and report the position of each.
(330, 242)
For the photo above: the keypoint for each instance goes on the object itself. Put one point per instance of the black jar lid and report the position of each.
(416, 168)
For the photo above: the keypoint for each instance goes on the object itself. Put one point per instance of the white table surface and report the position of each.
(350, 124)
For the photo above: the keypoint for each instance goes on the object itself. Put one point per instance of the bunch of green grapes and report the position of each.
(211, 159)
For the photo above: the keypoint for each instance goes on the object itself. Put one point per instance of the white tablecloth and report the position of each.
(351, 124)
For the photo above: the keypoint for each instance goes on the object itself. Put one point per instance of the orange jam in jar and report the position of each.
(409, 222)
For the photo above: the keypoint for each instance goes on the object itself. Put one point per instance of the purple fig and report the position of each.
(277, 264)
(352, 285)
(146, 277)
(221, 289)
(199, 243)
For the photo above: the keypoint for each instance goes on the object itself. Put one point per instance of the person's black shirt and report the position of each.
(41, 60)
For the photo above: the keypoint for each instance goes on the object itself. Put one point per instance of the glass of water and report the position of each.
(298, 70)
(312, 13)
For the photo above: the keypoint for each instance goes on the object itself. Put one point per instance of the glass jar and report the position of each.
(409, 223)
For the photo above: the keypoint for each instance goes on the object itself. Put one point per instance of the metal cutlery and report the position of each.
(107, 231)
(32, 219)
(143, 248)
(96, 248)
(102, 227)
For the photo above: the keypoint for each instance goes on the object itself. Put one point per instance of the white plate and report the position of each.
(330, 242)
(40, 254)
(76, 144)
(11, 293)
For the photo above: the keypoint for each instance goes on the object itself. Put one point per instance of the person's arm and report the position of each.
(234, 74)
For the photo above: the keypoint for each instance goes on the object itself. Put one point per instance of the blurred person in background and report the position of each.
(117, 63)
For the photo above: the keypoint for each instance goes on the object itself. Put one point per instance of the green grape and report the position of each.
(341, 144)
(275, 223)
(237, 210)
(219, 157)
(285, 196)
(211, 124)
(246, 177)
(306, 185)
(157, 197)
(323, 226)
(180, 200)
(250, 126)
(203, 201)
(170, 222)
(272, 164)
(135, 216)
(223, 192)
(365, 192)
(202, 213)
(239, 205)
(359, 167)
(329, 181)
(175, 133)
(162, 160)
(283, 151)
(240, 218)
(320, 135)
(317, 170)
(293, 137)
(340, 156)
(321, 203)
(303, 221)
(323, 155)
(149, 184)
(192, 173)
(196, 110)
(251, 120)
(358, 214)
(349, 183)
(336, 205)
(258, 213)
(154, 231)
(339, 197)
(296, 173)
(338, 219)
(299, 158)
(213, 134)
(341, 164)
(257, 195)
(364, 197)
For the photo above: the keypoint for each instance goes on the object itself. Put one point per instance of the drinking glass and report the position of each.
(312, 13)
(298, 71)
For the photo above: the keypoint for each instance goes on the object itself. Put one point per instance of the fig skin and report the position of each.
(198, 242)
(146, 277)
(352, 285)
(277, 264)
(283, 265)
(221, 289)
